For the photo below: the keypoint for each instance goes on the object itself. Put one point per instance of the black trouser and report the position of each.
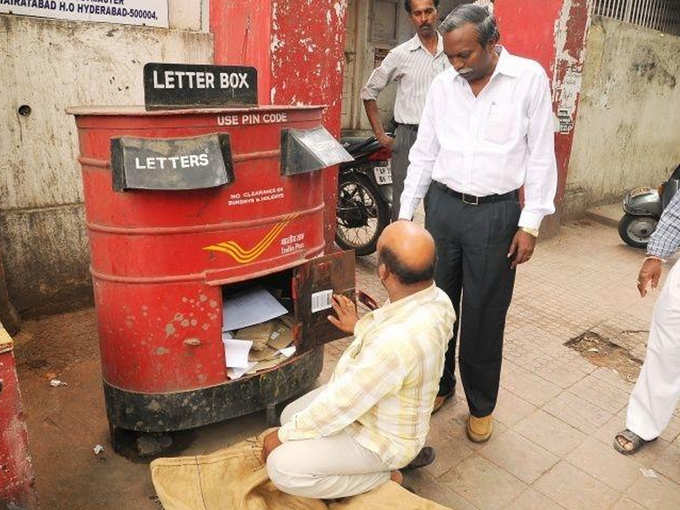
(472, 246)
(404, 138)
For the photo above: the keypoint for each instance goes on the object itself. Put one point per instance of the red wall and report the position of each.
(16, 473)
(527, 28)
(297, 47)
(241, 30)
(308, 62)
(553, 32)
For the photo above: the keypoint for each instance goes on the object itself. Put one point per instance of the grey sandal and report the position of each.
(636, 442)
(424, 458)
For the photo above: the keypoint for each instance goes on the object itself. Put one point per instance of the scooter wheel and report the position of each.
(636, 230)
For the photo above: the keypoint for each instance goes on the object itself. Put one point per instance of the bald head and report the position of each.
(408, 251)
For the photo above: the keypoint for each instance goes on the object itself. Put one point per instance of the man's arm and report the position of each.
(349, 396)
(540, 182)
(665, 241)
(423, 154)
(541, 177)
(380, 77)
(371, 107)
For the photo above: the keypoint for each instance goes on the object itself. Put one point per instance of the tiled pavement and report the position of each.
(557, 412)
(554, 421)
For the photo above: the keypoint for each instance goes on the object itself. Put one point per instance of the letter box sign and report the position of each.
(171, 164)
(194, 86)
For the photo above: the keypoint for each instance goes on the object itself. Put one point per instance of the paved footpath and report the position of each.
(557, 412)
(554, 422)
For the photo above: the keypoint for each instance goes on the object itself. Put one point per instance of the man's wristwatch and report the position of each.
(531, 231)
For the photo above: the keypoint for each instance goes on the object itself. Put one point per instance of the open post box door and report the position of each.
(314, 284)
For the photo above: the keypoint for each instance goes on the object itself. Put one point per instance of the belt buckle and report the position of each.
(469, 202)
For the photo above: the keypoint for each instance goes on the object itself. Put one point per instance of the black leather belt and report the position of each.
(475, 200)
(412, 127)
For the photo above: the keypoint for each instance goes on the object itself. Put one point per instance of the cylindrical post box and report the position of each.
(167, 245)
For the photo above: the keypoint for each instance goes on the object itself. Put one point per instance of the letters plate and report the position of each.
(171, 164)
(168, 86)
(383, 174)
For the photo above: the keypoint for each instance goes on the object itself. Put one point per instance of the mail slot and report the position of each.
(185, 208)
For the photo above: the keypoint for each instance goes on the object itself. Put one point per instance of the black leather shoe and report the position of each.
(424, 458)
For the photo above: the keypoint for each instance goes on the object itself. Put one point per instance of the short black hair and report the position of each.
(405, 274)
(407, 5)
(485, 22)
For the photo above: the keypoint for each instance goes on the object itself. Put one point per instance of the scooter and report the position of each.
(364, 195)
(643, 207)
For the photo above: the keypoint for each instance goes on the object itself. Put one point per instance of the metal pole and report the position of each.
(655, 15)
(629, 8)
(664, 17)
(646, 11)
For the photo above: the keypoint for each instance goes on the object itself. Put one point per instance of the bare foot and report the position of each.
(396, 476)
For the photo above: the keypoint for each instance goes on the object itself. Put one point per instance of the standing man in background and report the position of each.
(487, 130)
(657, 390)
(413, 65)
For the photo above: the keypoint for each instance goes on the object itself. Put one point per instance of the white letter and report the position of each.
(169, 80)
(157, 85)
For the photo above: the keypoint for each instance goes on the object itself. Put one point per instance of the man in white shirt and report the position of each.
(412, 65)
(486, 131)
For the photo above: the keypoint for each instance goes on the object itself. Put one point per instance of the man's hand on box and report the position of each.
(346, 312)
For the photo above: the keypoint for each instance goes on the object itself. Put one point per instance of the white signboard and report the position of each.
(129, 12)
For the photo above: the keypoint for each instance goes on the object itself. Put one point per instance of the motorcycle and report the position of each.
(364, 195)
(643, 207)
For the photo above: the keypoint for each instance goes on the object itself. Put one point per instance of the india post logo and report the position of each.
(243, 256)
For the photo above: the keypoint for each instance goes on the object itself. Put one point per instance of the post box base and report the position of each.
(165, 412)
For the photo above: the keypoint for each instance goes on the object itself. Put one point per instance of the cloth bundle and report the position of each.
(235, 478)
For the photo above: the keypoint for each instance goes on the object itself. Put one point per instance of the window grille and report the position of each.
(663, 15)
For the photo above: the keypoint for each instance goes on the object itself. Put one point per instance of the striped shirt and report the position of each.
(665, 240)
(413, 68)
(383, 388)
(485, 3)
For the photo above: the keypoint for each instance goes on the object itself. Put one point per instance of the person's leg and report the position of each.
(326, 468)
(488, 283)
(403, 141)
(441, 223)
(299, 404)
(657, 389)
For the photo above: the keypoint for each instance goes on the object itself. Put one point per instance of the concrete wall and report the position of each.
(48, 65)
(626, 131)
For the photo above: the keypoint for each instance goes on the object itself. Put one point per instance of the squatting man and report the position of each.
(372, 418)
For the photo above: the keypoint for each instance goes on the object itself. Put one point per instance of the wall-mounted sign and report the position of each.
(171, 164)
(195, 85)
(153, 13)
